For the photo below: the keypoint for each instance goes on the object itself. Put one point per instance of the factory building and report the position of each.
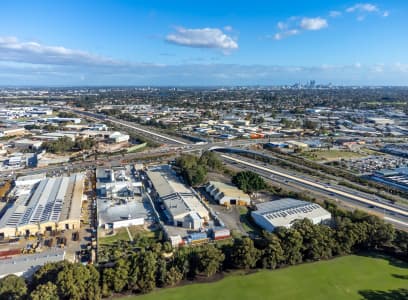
(283, 212)
(12, 131)
(183, 207)
(227, 194)
(27, 265)
(121, 215)
(118, 137)
(44, 205)
(116, 183)
(397, 177)
(26, 144)
(120, 201)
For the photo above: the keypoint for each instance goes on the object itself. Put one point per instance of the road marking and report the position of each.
(396, 221)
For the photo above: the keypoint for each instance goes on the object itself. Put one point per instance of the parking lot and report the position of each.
(373, 163)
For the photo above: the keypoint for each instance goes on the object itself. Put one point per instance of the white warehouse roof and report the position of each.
(283, 212)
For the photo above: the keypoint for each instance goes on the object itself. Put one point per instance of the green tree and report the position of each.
(210, 259)
(12, 287)
(380, 233)
(84, 144)
(197, 176)
(146, 280)
(134, 270)
(46, 291)
(108, 275)
(210, 160)
(318, 242)
(173, 276)
(161, 272)
(115, 278)
(244, 253)
(292, 243)
(248, 181)
(182, 261)
(65, 114)
(47, 272)
(63, 144)
(346, 235)
(272, 255)
(78, 282)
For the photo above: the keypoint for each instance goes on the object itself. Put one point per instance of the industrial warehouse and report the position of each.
(397, 177)
(120, 201)
(283, 212)
(183, 207)
(226, 194)
(43, 204)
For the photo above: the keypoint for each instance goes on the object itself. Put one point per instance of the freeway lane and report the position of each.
(399, 215)
(147, 132)
(175, 141)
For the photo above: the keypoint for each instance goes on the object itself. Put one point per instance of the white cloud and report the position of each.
(284, 34)
(399, 67)
(282, 25)
(202, 38)
(362, 7)
(200, 74)
(228, 28)
(11, 49)
(296, 25)
(335, 13)
(313, 23)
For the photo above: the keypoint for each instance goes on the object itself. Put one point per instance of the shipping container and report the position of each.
(222, 237)
(220, 232)
(198, 236)
(10, 252)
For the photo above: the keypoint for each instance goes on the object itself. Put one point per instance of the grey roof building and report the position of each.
(283, 212)
(26, 265)
(181, 203)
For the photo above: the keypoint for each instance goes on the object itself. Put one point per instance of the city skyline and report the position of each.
(229, 43)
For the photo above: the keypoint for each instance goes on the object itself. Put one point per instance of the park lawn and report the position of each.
(330, 155)
(340, 278)
(122, 234)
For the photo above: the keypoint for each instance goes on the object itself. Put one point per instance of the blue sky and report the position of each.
(203, 42)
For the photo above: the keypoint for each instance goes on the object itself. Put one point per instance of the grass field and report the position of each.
(122, 234)
(330, 155)
(350, 277)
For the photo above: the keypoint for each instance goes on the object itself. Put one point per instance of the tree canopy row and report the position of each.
(143, 265)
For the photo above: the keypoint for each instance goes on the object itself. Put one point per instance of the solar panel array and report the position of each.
(44, 205)
(301, 209)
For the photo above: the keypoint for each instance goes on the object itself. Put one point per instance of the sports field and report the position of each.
(350, 277)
